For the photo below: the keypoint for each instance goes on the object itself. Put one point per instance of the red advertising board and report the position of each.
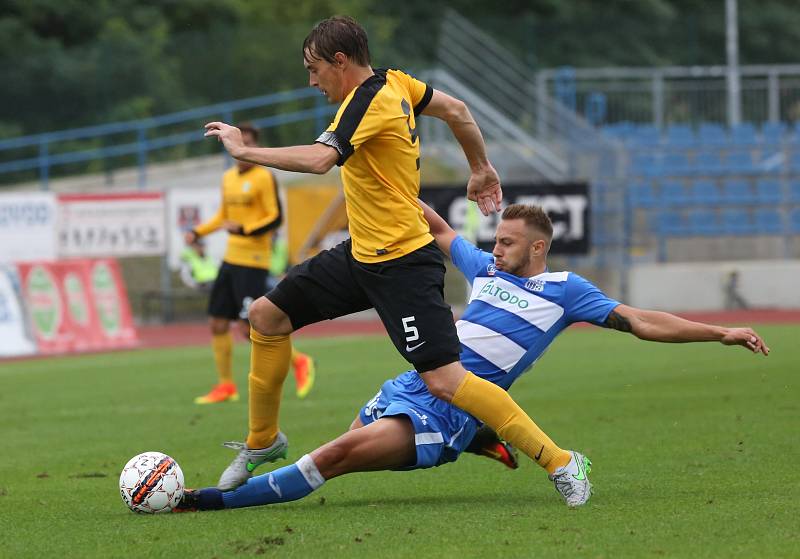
(77, 305)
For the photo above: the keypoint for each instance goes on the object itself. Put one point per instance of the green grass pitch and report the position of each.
(695, 451)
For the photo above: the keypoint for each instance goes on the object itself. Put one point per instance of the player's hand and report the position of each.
(745, 337)
(232, 226)
(230, 136)
(189, 237)
(484, 188)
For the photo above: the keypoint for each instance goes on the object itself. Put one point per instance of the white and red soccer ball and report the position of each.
(151, 482)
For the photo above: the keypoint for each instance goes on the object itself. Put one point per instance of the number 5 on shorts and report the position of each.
(412, 334)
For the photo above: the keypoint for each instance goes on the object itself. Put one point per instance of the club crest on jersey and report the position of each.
(246, 187)
(535, 285)
(491, 269)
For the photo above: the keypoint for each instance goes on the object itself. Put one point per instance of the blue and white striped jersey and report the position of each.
(510, 320)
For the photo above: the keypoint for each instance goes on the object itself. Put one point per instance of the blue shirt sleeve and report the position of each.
(468, 258)
(586, 303)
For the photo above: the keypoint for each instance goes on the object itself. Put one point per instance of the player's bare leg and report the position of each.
(385, 444)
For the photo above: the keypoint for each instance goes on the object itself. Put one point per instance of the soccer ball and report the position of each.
(151, 482)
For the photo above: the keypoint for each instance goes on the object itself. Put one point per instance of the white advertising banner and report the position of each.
(27, 226)
(186, 208)
(111, 225)
(14, 336)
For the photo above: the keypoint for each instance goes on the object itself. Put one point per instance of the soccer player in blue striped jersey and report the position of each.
(516, 309)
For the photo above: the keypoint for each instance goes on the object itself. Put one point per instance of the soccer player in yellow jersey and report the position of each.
(391, 262)
(250, 211)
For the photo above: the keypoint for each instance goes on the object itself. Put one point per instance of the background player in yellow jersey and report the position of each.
(250, 211)
(391, 263)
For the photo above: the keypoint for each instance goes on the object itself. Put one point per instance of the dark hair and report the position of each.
(535, 218)
(337, 34)
(249, 128)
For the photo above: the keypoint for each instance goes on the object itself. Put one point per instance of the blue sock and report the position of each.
(285, 484)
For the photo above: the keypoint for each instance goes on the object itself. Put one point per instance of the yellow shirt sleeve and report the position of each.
(268, 195)
(213, 223)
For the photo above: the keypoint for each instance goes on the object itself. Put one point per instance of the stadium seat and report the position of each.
(708, 164)
(642, 195)
(673, 194)
(743, 134)
(675, 165)
(739, 162)
(794, 221)
(680, 135)
(737, 222)
(773, 133)
(703, 222)
(768, 191)
(712, 134)
(737, 192)
(768, 222)
(644, 135)
(644, 165)
(794, 162)
(671, 224)
(794, 192)
(705, 193)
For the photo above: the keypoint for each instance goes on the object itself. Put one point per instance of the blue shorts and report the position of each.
(442, 431)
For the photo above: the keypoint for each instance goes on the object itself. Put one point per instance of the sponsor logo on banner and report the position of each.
(111, 224)
(104, 293)
(15, 338)
(566, 204)
(76, 299)
(27, 226)
(44, 301)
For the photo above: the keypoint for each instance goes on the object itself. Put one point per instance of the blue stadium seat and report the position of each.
(773, 132)
(673, 194)
(768, 222)
(671, 224)
(680, 135)
(703, 223)
(708, 164)
(768, 191)
(675, 165)
(737, 192)
(794, 221)
(644, 135)
(642, 195)
(739, 162)
(712, 134)
(737, 222)
(706, 193)
(794, 162)
(644, 165)
(794, 192)
(743, 134)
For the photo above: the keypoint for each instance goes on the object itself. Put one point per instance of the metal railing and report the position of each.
(139, 138)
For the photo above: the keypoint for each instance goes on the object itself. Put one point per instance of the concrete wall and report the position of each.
(763, 284)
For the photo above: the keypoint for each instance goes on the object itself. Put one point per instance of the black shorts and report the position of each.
(235, 288)
(407, 293)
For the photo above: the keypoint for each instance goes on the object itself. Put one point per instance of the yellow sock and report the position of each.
(222, 346)
(269, 364)
(495, 407)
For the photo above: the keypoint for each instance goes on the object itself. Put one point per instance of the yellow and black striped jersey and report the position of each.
(250, 199)
(375, 133)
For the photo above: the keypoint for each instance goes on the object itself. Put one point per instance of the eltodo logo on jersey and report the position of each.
(535, 285)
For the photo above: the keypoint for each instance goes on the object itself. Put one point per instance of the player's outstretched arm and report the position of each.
(659, 326)
(484, 183)
(442, 233)
(315, 158)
